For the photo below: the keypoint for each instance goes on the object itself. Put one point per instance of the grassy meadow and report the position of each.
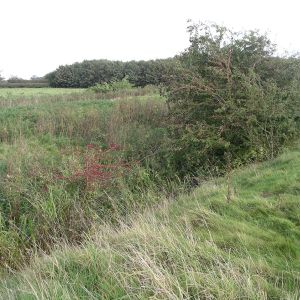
(28, 92)
(68, 232)
(43, 155)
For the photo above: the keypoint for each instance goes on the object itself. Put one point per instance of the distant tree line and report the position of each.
(91, 72)
(17, 82)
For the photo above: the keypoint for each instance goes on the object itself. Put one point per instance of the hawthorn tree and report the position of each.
(226, 107)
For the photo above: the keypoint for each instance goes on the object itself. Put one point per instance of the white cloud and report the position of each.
(39, 35)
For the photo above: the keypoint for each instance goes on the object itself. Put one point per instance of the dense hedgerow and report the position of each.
(231, 100)
(90, 73)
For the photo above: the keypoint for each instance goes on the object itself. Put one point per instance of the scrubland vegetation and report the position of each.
(197, 247)
(184, 189)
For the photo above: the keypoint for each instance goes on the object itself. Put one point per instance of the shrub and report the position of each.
(226, 107)
(113, 86)
(100, 166)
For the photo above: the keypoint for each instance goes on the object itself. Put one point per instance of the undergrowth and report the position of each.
(197, 247)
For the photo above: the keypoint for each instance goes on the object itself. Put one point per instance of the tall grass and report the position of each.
(32, 97)
(43, 147)
(198, 247)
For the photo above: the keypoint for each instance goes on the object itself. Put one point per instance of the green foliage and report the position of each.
(90, 73)
(230, 102)
(227, 106)
(113, 86)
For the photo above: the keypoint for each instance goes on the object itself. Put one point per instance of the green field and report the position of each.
(29, 92)
(136, 236)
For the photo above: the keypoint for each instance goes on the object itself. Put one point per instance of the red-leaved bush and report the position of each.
(100, 166)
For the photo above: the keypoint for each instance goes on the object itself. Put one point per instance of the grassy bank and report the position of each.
(197, 247)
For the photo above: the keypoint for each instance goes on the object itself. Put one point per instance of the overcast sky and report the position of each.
(39, 35)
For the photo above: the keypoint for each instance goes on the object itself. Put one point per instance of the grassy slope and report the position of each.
(198, 247)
